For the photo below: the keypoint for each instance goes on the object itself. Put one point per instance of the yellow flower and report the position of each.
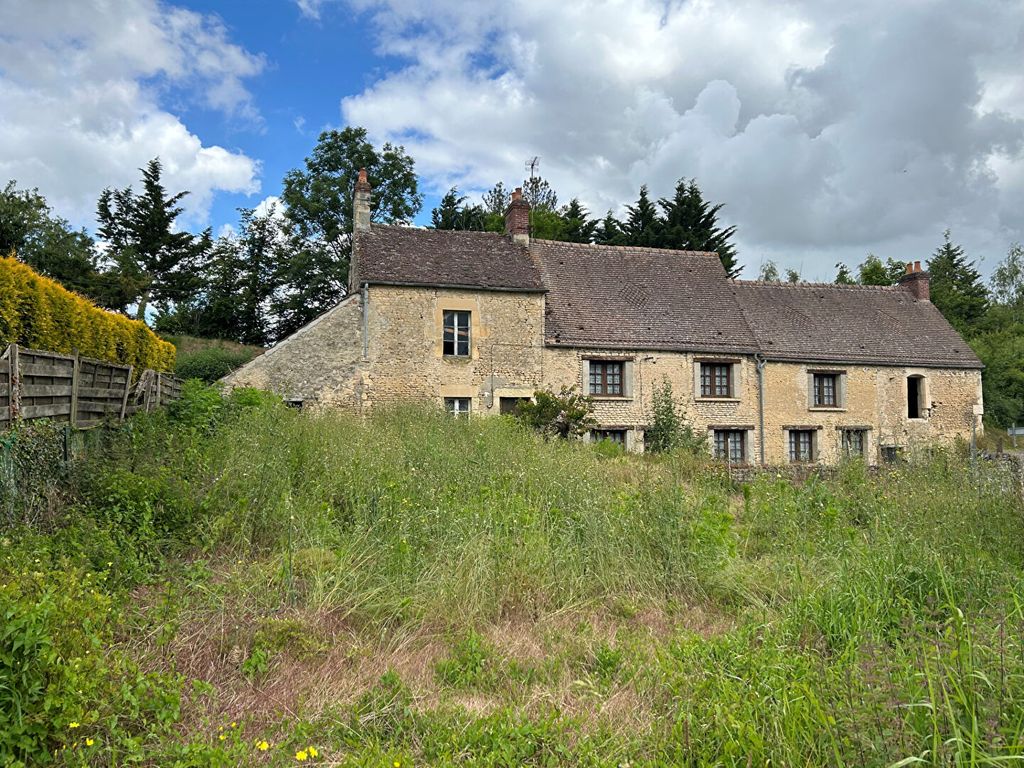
(234, 724)
(263, 746)
(222, 737)
(89, 742)
(302, 756)
(312, 751)
(73, 724)
(397, 764)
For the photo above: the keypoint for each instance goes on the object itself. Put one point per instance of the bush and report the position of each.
(211, 364)
(564, 415)
(670, 429)
(38, 312)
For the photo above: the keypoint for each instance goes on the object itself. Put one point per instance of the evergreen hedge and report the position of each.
(38, 312)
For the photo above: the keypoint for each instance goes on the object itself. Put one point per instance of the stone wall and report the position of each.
(406, 360)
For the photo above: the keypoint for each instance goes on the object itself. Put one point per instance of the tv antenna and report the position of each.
(532, 165)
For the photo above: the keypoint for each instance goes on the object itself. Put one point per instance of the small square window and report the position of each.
(716, 380)
(854, 442)
(458, 406)
(456, 333)
(826, 390)
(730, 445)
(801, 445)
(606, 377)
(617, 436)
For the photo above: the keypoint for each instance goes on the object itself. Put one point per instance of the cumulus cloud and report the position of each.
(829, 129)
(80, 100)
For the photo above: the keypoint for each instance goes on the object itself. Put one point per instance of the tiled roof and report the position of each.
(639, 298)
(414, 256)
(851, 324)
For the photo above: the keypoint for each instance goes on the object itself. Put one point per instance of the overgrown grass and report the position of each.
(423, 590)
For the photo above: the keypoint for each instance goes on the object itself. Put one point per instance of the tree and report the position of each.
(873, 272)
(496, 200)
(319, 199)
(47, 243)
(792, 275)
(452, 213)
(577, 226)
(566, 415)
(669, 428)
(691, 223)
(539, 194)
(609, 231)
(956, 287)
(642, 226)
(844, 276)
(155, 264)
(769, 272)
(1008, 278)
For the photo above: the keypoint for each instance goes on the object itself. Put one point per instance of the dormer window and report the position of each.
(456, 333)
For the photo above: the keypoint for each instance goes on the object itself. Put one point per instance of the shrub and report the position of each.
(565, 415)
(670, 429)
(38, 312)
(211, 364)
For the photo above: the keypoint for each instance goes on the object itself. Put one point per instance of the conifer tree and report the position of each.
(577, 226)
(642, 226)
(453, 213)
(691, 223)
(844, 276)
(956, 287)
(609, 231)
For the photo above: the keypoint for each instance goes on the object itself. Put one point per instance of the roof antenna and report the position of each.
(532, 165)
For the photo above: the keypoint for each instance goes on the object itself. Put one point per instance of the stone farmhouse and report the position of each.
(775, 373)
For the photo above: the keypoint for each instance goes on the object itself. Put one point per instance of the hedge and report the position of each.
(38, 312)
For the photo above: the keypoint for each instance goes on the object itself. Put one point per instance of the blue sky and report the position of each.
(829, 129)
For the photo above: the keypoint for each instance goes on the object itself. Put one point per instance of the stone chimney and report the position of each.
(517, 218)
(916, 281)
(361, 212)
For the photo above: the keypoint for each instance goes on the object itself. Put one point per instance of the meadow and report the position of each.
(234, 582)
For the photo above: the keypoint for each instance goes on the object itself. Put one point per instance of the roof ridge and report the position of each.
(818, 286)
(641, 248)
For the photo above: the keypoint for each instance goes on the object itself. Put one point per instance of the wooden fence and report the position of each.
(78, 390)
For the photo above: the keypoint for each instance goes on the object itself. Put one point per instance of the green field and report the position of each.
(415, 590)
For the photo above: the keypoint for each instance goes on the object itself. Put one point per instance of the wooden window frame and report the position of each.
(710, 380)
(844, 442)
(455, 335)
(727, 436)
(452, 405)
(794, 437)
(603, 380)
(818, 389)
(597, 435)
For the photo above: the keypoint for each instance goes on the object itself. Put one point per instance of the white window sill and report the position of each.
(827, 408)
(611, 398)
(717, 399)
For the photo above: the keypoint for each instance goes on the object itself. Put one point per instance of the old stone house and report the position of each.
(775, 373)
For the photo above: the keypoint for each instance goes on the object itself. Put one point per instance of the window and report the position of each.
(890, 454)
(730, 445)
(606, 377)
(458, 406)
(716, 380)
(456, 333)
(854, 442)
(801, 445)
(915, 397)
(507, 405)
(826, 390)
(617, 436)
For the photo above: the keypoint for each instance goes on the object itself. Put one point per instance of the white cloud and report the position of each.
(829, 129)
(80, 100)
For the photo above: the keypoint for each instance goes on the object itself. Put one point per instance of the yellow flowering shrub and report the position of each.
(39, 313)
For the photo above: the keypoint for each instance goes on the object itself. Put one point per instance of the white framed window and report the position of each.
(458, 406)
(456, 334)
(731, 445)
(801, 445)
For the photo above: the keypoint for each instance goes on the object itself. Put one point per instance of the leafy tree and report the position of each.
(319, 200)
(873, 272)
(1008, 278)
(642, 226)
(956, 287)
(496, 200)
(154, 263)
(566, 415)
(669, 428)
(769, 272)
(577, 226)
(792, 275)
(844, 276)
(691, 223)
(1002, 352)
(452, 213)
(539, 194)
(47, 243)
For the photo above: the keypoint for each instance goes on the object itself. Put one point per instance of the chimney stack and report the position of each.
(916, 281)
(517, 218)
(361, 212)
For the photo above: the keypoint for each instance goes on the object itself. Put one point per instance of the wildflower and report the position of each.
(302, 756)
(312, 752)
(89, 742)
(234, 724)
(73, 725)
(397, 764)
(222, 737)
(263, 746)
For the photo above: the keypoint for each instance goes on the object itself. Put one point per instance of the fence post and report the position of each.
(127, 390)
(73, 417)
(15, 377)
(159, 396)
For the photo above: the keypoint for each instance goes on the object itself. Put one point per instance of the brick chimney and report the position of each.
(361, 207)
(517, 218)
(916, 281)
